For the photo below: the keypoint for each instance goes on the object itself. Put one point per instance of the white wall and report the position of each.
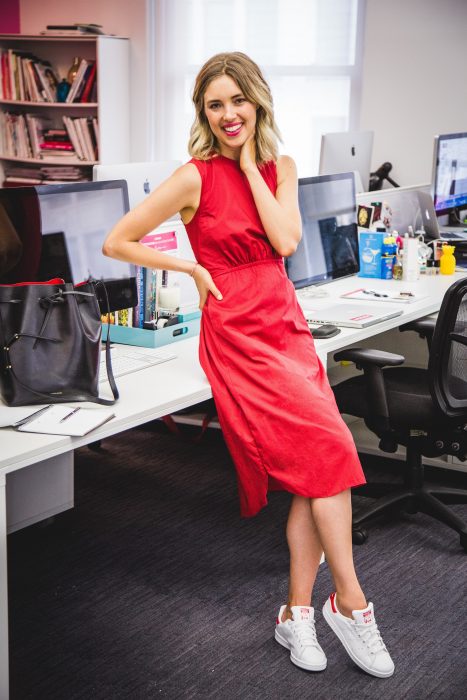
(414, 80)
(125, 18)
(414, 65)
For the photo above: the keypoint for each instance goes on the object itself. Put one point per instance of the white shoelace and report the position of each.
(305, 633)
(371, 636)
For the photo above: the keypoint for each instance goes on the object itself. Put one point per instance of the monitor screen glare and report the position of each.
(329, 245)
(450, 173)
(62, 228)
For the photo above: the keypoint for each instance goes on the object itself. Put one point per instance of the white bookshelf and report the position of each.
(112, 109)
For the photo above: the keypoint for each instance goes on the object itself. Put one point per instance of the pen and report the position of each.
(68, 415)
(32, 417)
(373, 293)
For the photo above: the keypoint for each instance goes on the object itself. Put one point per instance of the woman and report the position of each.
(238, 201)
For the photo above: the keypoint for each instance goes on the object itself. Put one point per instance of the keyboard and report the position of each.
(127, 359)
(311, 292)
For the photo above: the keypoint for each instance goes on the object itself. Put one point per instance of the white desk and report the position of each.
(164, 389)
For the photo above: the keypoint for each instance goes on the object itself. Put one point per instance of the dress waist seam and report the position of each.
(276, 261)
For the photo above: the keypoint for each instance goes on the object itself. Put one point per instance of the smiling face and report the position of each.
(231, 117)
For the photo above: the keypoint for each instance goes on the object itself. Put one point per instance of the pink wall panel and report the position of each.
(116, 16)
(9, 17)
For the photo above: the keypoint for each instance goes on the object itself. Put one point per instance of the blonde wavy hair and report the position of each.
(247, 75)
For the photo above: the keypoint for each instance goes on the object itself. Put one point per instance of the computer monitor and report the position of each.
(61, 229)
(450, 173)
(329, 245)
(141, 178)
(344, 151)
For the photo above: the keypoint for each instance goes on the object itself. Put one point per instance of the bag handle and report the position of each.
(108, 357)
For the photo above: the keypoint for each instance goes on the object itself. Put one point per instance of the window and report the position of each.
(309, 50)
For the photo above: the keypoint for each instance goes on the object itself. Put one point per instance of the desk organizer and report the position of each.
(152, 339)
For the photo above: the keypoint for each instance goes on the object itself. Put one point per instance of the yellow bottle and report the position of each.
(447, 263)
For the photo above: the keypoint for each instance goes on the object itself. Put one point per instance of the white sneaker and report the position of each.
(299, 635)
(361, 638)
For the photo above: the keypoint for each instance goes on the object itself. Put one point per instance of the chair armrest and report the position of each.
(372, 362)
(425, 327)
(366, 357)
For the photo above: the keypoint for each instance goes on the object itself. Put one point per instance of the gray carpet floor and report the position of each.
(154, 587)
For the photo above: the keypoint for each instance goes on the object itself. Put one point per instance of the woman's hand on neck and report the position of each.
(248, 155)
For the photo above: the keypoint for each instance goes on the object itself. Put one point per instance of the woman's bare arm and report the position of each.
(279, 215)
(179, 193)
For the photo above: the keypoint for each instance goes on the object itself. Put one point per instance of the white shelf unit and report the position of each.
(112, 109)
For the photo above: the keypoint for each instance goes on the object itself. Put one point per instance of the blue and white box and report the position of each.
(370, 244)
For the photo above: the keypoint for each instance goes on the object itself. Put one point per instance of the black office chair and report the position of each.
(423, 409)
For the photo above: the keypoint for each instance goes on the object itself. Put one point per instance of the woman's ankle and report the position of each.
(347, 602)
(287, 613)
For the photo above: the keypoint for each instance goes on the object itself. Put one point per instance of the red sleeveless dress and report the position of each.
(275, 406)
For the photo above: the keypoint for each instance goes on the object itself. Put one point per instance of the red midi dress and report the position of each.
(275, 406)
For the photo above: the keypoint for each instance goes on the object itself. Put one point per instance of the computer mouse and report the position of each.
(327, 330)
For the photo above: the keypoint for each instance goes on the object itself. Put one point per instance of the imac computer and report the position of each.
(328, 248)
(58, 231)
(142, 178)
(449, 180)
(345, 151)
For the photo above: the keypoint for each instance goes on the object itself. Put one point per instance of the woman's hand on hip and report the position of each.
(205, 285)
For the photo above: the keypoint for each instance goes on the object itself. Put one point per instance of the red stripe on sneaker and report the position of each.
(278, 621)
(332, 598)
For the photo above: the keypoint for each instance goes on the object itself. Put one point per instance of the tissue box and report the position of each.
(370, 244)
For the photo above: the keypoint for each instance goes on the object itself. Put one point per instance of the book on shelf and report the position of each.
(17, 175)
(14, 138)
(76, 29)
(55, 135)
(88, 85)
(73, 95)
(71, 130)
(81, 131)
(56, 140)
(26, 78)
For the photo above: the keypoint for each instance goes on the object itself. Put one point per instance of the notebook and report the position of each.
(430, 221)
(55, 419)
(350, 315)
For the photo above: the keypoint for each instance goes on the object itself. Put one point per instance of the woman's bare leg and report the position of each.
(305, 553)
(332, 519)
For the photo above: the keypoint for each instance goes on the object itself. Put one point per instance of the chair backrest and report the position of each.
(447, 365)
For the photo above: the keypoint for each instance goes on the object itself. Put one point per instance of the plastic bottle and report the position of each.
(447, 263)
(410, 266)
(388, 257)
(397, 267)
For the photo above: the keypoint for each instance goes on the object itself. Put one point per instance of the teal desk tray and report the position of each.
(152, 339)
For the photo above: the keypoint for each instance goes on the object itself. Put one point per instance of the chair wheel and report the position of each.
(463, 540)
(359, 536)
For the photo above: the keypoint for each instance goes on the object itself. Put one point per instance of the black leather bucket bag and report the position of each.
(50, 335)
